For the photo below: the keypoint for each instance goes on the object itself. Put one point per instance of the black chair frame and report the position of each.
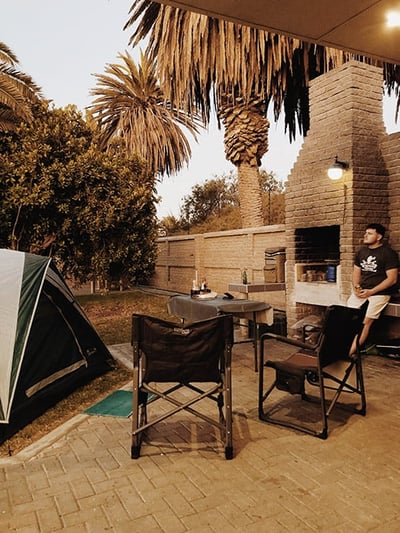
(310, 369)
(168, 357)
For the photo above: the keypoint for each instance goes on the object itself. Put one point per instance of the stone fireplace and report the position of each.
(325, 219)
(317, 265)
(316, 244)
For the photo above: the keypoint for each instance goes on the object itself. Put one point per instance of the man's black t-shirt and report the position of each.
(373, 263)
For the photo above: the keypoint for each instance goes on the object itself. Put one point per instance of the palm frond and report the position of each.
(130, 106)
(199, 58)
(17, 90)
(7, 56)
(8, 120)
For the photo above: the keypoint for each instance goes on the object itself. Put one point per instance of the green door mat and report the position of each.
(118, 403)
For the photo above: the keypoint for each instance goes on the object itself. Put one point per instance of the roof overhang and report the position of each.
(358, 26)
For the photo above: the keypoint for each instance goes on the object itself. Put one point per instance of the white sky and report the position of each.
(62, 43)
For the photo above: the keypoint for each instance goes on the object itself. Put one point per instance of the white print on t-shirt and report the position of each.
(369, 265)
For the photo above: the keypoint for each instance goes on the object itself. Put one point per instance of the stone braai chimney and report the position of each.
(325, 219)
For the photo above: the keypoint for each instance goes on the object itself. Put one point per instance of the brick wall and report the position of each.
(220, 257)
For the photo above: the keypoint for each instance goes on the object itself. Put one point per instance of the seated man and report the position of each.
(375, 274)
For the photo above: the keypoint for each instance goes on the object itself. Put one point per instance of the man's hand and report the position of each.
(364, 293)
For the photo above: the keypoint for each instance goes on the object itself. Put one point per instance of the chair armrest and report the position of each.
(287, 340)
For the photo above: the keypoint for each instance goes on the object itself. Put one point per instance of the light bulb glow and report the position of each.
(393, 19)
(335, 173)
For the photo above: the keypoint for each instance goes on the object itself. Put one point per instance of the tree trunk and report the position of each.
(250, 195)
(246, 141)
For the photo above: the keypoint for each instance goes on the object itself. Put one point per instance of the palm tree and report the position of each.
(130, 108)
(246, 141)
(17, 91)
(205, 63)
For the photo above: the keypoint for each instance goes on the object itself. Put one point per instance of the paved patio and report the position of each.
(81, 477)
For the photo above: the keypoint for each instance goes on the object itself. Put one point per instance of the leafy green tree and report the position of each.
(114, 227)
(17, 91)
(227, 219)
(214, 205)
(170, 225)
(61, 195)
(273, 198)
(209, 199)
(35, 187)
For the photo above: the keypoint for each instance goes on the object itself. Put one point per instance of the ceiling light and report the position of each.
(393, 19)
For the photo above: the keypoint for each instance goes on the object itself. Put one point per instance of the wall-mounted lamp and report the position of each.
(335, 172)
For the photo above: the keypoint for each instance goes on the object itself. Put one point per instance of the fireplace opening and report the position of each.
(314, 245)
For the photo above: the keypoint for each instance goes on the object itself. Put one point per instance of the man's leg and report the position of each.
(356, 302)
(376, 304)
(363, 336)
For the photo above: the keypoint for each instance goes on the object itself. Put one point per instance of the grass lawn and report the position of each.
(110, 314)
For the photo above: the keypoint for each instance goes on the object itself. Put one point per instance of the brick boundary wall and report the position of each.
(219, 257)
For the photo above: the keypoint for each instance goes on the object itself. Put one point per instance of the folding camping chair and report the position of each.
(322, 373)
(182, 365)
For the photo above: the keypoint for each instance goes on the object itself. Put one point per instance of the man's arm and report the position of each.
(356, 276)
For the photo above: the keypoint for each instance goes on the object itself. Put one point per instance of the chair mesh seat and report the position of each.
(313, 372)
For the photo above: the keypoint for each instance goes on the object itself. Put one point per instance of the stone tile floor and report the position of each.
(81, 477)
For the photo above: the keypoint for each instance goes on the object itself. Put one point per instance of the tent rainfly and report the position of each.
(48, 347)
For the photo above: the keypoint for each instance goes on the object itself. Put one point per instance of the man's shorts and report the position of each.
(376, 304)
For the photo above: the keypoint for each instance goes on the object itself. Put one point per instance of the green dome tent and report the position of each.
(48, 347)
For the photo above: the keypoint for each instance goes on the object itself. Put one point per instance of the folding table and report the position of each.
(192, 309)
